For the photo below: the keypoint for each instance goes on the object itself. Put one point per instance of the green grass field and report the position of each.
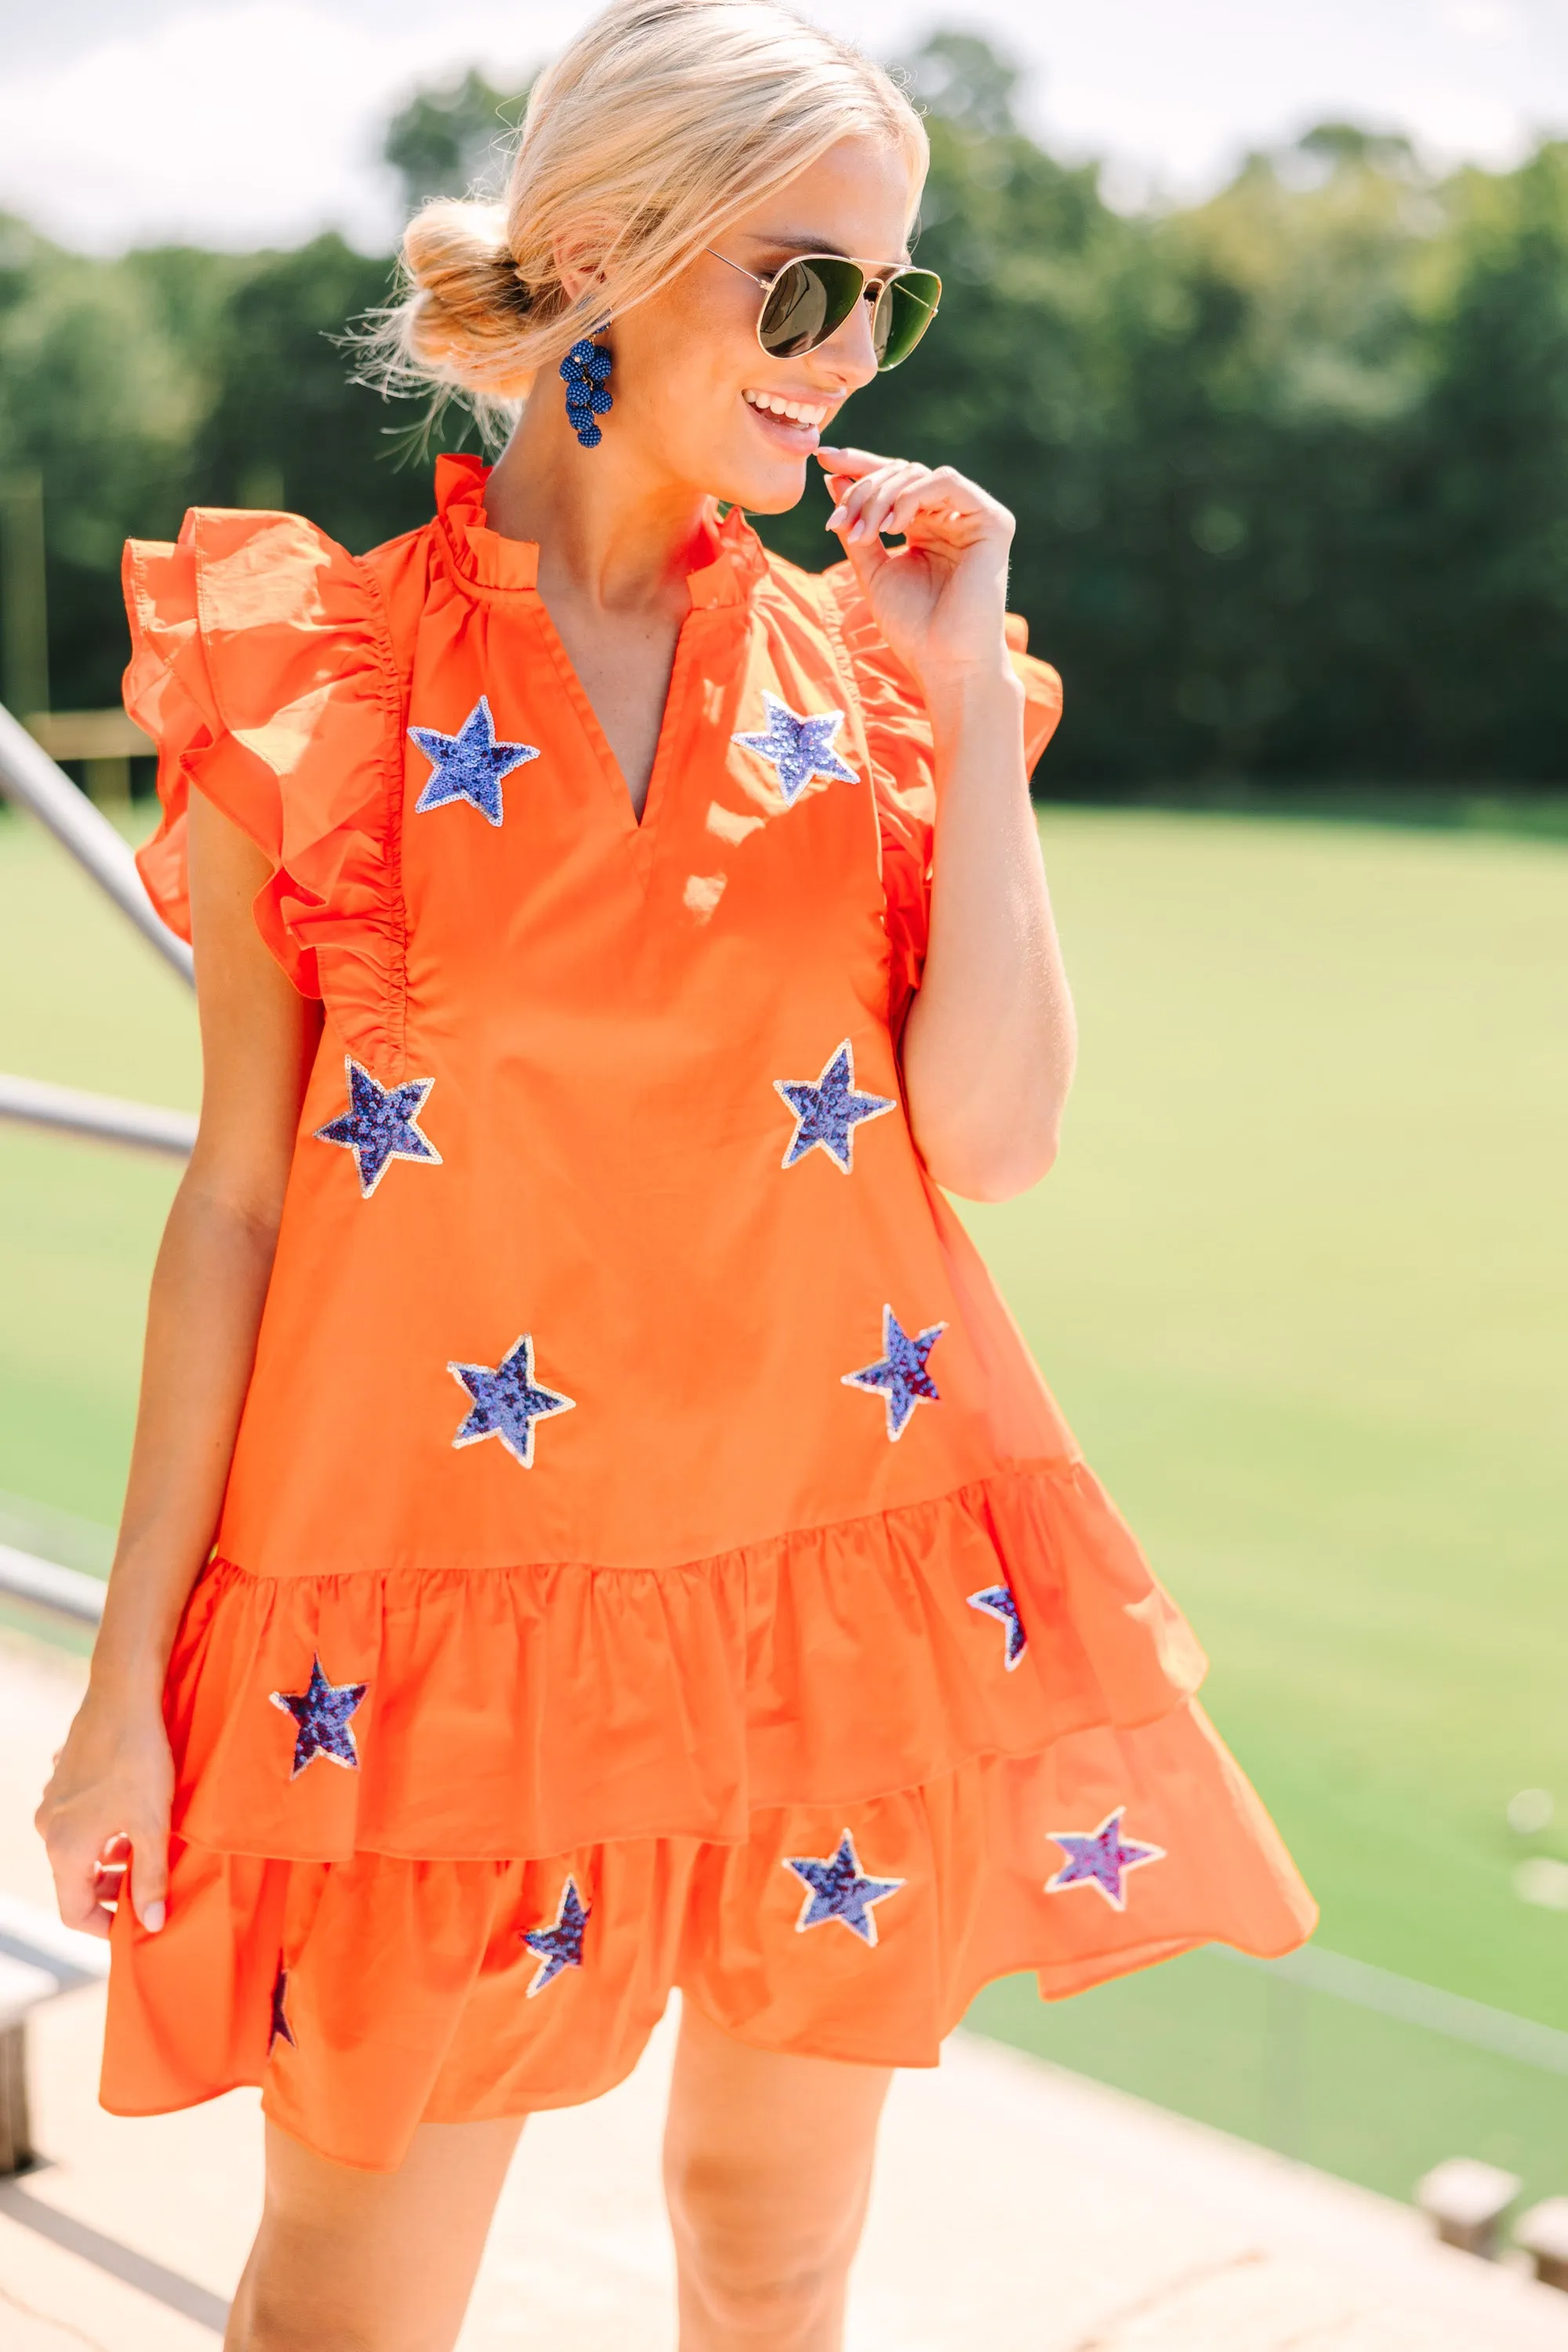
(1299, 1281)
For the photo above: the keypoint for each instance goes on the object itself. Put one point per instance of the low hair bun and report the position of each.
(468, 304)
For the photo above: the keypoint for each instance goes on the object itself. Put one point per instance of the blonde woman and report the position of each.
(593, 1528)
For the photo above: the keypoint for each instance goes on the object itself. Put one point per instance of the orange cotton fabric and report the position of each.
(714, 1620)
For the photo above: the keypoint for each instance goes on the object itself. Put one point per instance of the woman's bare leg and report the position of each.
(370, 2262)
(767, 2164)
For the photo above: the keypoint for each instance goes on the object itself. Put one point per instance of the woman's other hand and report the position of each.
(988, 1046)
(104, 1817)
(939, 599)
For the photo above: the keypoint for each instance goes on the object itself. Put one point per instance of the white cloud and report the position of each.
(237, 125)
(1484, 20)
(232, 126)
(247, 121)
(1459, 123)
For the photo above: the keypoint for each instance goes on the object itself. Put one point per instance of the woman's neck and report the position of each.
(611, 532)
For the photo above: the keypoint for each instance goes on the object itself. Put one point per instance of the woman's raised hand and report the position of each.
(105, 1815)
(939, 600)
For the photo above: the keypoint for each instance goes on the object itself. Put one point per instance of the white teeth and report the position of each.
(799, 412)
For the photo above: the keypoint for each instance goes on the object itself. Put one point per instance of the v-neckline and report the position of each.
(493, 563)
(638, 829)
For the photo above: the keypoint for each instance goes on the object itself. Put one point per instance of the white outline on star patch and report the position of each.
(899, 1400)
(1129, 1856)
(866, 1932)
(305, 1730)
(1003, 1609)
(428, 1158)
(788, 745)
(882, 1105)
(554, 1964)
(557, 1403)
(501, 758)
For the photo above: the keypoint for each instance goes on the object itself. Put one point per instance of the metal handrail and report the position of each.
(28, 775)
(1405, 1998)
(67, 1590)
(43, 1940)
(107, 1118)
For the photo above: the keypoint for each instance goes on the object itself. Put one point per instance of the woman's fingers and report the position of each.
(91, 1876)
(865, 507)
(850, 463)
(854, 495)
(149, 1874)
(940, 490)
(104, 1817)
(930, 511)
(887, 495)
(849, 470)
(81, 1888)
(879, 494)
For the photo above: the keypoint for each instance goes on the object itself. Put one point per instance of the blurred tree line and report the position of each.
(1291, 467)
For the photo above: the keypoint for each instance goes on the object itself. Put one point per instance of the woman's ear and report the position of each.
(579, 255)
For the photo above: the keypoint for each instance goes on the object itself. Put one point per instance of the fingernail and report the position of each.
(152, 1917)
(836, 519)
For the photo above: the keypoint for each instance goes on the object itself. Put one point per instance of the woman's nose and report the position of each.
(851, 347)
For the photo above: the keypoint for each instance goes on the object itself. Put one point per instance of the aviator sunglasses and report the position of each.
(809, 299)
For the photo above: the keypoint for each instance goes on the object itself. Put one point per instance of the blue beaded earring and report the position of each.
(585, 372)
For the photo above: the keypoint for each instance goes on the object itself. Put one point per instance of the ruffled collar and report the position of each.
(488, 560)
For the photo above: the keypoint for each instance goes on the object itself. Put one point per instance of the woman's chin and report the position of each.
(767, 490)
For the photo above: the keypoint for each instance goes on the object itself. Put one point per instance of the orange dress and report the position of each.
(650, 1556)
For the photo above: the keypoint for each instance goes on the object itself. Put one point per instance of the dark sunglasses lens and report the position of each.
(809, 302)
(905, 308)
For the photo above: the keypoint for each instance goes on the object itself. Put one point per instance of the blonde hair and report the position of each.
(662, 121)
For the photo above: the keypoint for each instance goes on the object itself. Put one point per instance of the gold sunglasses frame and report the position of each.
(881, 281)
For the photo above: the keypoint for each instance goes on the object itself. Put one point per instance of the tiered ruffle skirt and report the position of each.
(829, 1785)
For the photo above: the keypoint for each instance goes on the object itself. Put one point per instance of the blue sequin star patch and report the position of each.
(839, 1889)
(998, 1602)
(1101, 1858)
(507, 1401)
(281, 2030)
(900, 1375)
(321, 1712)
(470, 765)
(799, 748)
(827, 1112)
(560, 1947)
(380, 1124)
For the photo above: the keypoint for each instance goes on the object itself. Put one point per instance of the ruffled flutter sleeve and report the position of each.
(898, 737)
(262, 666)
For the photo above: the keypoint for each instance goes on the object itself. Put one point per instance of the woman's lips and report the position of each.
(802, 431)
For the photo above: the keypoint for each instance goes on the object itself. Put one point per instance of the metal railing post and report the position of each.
(65, 1110)
(27, 774)
(1285, 2065)
(24, 608)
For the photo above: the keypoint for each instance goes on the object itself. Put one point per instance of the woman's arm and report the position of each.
(109, 1798)
(989, 1044)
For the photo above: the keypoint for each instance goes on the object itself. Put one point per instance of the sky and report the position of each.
(242, 122)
